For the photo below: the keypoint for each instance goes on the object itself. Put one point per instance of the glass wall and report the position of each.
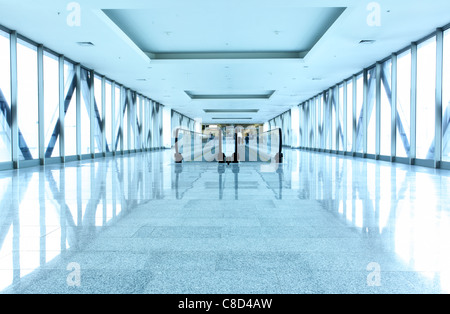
(51, 105)
(426, 98)
(85, 113)
(334, 126)
(371, 111)
(118, 127)
(333, 104)
(132, 122)
(139, 123)
(5, 98)
(27, 98)
(359, 113)
(404, 104)
(321, 121)
(108, 115)
(121, 119)
(70, 120)
(446, 100)
(98, 115)
(341, 129)
(349, 115)
(386, 109)
(316, 122)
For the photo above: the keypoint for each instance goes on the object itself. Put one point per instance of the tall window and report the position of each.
(118, 128)
(5, 98)
(125, 124)
(386, 109)
(85, 113)
(371, 111)
(341, 130)
(404, 104)
(359, 114)
(333, 103)
(321, 122)
(108, 115)
(349, 116)
(446, 100)
(315, 108)
(138, 123)
(426, 98)
(98, 114)
(27, 107)
(51, 105)
(70, 120)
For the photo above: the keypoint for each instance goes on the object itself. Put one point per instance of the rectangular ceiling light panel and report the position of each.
(261, 96)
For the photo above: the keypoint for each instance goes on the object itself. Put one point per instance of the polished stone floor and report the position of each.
(141, 224)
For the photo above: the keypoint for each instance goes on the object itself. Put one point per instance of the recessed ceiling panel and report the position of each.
(211, 30)
(231, 110)
(200, 96)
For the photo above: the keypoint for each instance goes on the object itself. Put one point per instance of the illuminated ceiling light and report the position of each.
(85, 44)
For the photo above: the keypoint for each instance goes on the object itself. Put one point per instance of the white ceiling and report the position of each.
(141, 28)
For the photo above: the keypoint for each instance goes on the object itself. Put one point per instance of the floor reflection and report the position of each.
(48, 212)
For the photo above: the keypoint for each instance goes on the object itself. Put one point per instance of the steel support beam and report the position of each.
(128, 122)
(121, 116)
(378, 110)
(91, 84)
(355, 100)
(41, 104)
(439, 97)
(392, 96)
(336, 108)
(142, 124)
(413, 136)
(103, 121)
(113, 118)
(365, 118)
(345, 117)
(63, 107)
(78, 109)
(14, 97)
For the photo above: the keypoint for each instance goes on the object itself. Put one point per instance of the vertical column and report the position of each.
(317, 114)
(365, 113)
(394, 90)
(42, 220)
(92, 111)
(319, 119)
(103, 130)
(141, 131)
(128, 122)
(113, 118)
(78, 108)
(439, 95)
(355, 121)
(62, 110)
(330, 117)
(345, 112)
(378, 111)
(63, 210)
(14, 96)
(121, 122)
(337, 100)
(412, 154)
(41, 100)
(144, 124)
